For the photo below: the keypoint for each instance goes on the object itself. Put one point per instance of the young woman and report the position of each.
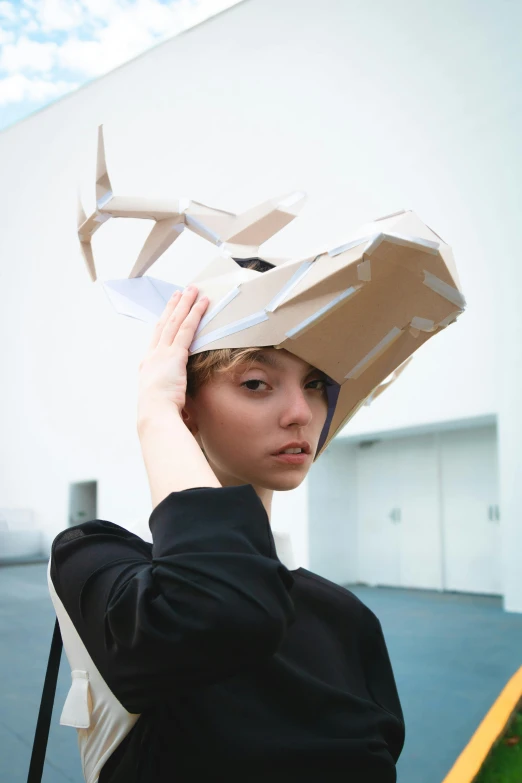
(207, 658)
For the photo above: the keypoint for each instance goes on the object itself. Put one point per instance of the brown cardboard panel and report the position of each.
(388, 255)
(392, 378)
(103, 184)
(161, 237)
(354, 393)
(328, 275)
(263, 228)
(147, 209)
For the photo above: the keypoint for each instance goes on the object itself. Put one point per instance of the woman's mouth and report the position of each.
(291, 457)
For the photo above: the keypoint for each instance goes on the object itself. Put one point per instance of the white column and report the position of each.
(290, 515)
(510, 425)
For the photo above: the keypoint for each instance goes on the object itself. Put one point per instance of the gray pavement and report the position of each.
(451, 653)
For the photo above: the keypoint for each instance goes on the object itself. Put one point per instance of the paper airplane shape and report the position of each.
(357, 312)
(242, 233)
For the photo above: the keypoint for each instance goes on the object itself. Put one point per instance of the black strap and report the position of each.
(46, 708)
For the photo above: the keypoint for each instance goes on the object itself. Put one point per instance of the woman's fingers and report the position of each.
(178, 316)
(187, 329)
(167, 312)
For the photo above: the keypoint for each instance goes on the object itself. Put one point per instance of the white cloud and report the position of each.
(55, 15)
(8, 11)
(6, 36)
(131, 29)
(86, 38)
(102, 33)
(27, 55)
(17, 88)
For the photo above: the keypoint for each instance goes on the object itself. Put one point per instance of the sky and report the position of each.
(51, 47)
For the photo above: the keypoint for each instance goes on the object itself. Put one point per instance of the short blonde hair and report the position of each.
(201, 367)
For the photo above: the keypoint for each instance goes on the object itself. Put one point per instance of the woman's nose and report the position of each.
(296, 409)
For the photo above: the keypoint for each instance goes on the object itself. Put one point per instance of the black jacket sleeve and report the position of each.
(207, 600)
(380, 679)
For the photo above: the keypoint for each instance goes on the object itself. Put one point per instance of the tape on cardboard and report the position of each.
(404, 241)
(364, 270)
(192, 221)
(372, 355)
(290, 200)
(449, 319)
(298, 275)
(104, 200)
(217, 309)
(301, 327)
(224, 331)
(392, 214)
(348, 246)
(423, 324)
(410, 241)
(450, 293)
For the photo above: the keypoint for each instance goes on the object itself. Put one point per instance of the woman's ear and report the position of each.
(188, 417)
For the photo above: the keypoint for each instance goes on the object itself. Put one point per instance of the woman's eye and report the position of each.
(248, 385)
(319, 380)
(254, 384)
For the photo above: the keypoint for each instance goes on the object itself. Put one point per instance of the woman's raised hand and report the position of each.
(163, 369)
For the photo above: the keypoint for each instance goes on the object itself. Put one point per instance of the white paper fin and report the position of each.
(143, 298)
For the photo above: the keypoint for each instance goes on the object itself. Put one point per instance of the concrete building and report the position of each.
(369, 108)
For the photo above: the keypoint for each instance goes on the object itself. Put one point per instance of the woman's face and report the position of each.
(244, 417)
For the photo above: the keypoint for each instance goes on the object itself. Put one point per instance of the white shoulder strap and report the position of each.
(90, 707)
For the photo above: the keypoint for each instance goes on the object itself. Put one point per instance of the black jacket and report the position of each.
(240, 668)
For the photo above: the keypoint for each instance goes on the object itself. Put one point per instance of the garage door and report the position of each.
(470, 511)
(428, 512)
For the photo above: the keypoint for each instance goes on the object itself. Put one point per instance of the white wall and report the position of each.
(332, 525)
(370, 107)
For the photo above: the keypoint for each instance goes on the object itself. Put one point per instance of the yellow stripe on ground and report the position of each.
(468, 764)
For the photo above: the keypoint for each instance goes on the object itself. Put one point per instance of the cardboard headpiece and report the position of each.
(357, 312)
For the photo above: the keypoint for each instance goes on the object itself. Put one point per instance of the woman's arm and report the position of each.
(209, 601)
(172, 456)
